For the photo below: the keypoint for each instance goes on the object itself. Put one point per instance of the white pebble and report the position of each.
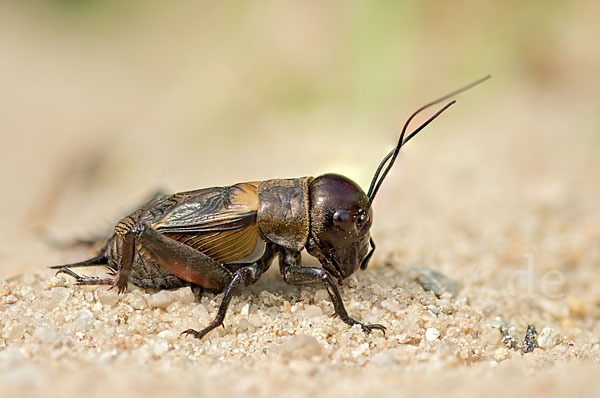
(168, 335)
(312, 311)
(162, 299)
(434, 309)
(136, 301)
(89, 297)
(159, 348)
(108, 297)
(245, 310)
(9, 299)
(185, 295)
(84, 320)
(360, 351)
(548, 338)
(432, 334)
(60, 294)
(200, 313)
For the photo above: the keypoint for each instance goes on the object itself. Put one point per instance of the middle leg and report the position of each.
(243, 277)
(299, 275)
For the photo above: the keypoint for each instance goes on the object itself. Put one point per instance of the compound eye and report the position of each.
(361, 218)
(342, 219)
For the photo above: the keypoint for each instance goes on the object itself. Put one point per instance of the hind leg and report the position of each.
(85, 280)
(99, 260)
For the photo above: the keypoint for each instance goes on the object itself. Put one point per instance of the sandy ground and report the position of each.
(499, 197)
(521, 242)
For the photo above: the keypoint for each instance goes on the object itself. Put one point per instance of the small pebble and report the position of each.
(548, 338)
(168, 335)
(312, 311)
(60, 294)
(89, 297)
(432, 334)
(185, 295)
(9, 299)
(445, 306)
(84, 320)
(56, 281)
(360, 351)
(245, 310)
(409, 338)
(136, 301)
(200, 313)
(162, 299)
(530, 342)
(108, 297)
(500, 354)
(159, 348)
(509, 341)
(434, 309)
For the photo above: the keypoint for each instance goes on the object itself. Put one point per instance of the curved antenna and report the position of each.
(393, 152)
(377, 181)
(389, 155)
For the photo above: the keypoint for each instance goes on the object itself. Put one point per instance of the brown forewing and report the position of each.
(218, 222)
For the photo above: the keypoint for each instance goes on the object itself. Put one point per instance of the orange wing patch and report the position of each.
(223, 247)
(218, 222)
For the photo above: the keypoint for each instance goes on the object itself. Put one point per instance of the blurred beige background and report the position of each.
(104, 102)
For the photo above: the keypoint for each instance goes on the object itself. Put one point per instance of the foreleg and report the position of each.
(299, 275)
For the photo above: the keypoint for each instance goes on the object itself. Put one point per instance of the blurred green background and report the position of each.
(105, 101)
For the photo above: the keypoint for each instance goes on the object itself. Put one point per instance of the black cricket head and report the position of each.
(341, 212)
(340, 220)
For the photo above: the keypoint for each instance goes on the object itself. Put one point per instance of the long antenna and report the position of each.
(391, 157)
